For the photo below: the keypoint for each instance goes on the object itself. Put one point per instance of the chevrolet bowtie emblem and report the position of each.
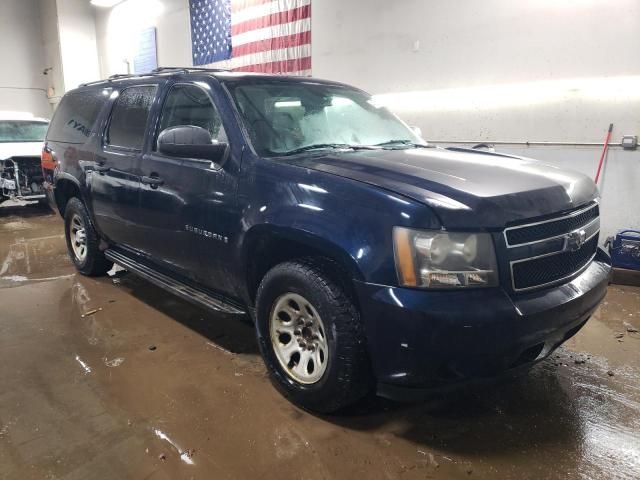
(574, 240)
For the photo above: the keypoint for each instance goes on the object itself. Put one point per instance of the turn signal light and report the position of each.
(46, 160)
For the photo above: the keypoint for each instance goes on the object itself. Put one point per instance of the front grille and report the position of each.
(556, 266)
(550, 228)
(549, 251)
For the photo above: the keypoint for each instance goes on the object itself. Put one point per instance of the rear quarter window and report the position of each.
(75, 118)
(129, 117)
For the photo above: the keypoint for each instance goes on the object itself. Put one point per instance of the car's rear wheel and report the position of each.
(83, 241)
(311, 336)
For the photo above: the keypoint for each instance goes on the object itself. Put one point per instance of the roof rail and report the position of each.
(187, 69)
(117, 76)
(120, 75)
(154, 72)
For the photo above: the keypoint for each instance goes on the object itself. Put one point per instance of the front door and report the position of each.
(115, 180)
(180, 198)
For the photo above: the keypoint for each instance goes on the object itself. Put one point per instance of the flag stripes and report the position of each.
(270, 36)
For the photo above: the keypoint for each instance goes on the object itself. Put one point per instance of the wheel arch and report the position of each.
(268, 245)
(66, 187)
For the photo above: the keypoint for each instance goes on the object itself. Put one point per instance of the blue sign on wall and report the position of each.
(146, 57)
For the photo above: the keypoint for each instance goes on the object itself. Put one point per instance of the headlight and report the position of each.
(438, 259)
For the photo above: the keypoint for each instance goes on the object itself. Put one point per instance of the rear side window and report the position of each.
(75, 117)
(129, 117)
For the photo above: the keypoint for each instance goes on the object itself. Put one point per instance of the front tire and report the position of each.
(83, 241)
(311, 337)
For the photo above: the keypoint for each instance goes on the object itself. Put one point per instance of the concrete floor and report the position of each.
(152, 387)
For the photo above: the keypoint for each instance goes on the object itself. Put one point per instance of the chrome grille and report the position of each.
(550, 251)
(551, 268)
(546, 229)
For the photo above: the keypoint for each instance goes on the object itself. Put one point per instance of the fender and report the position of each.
(308, 207)
(313, 240)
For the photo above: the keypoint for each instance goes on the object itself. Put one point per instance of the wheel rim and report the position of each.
(78, 237)
(298, 338)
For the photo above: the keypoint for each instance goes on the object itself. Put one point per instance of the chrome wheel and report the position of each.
(298, 338)
(78, 237)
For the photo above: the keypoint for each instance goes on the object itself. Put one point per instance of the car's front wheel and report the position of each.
(311, 336)
(83, 240)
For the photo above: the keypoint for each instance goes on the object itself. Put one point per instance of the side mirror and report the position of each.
(416, 130)
(189, 141)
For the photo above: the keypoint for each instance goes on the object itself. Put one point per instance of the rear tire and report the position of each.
(83, 240)
(302, 309)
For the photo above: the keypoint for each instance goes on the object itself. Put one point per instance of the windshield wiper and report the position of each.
(402, 143)
(335, 146)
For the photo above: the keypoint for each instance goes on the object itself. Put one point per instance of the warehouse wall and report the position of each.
(552, 70)
(77, 35)
(117, 28)
(51, 50)
(540, 70)
(22, 85)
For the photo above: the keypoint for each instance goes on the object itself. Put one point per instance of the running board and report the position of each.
(181, 289)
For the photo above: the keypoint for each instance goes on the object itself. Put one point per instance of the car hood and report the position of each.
(20, 149)
(466, 189)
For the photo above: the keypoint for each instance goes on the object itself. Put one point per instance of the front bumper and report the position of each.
(424, 340)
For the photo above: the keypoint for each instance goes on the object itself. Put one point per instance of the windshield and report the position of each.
(22, 131)
(287, 118)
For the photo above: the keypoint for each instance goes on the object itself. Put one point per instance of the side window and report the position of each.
(75, 117)
(129, 117)
(190, 105)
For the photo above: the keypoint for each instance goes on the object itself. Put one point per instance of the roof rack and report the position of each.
(187, 69)
(154, 72)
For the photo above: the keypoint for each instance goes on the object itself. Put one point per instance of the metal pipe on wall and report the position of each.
(526, 143)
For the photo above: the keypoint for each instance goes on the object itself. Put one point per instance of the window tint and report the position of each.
(75, 117)
(190, 105)
(129, 117)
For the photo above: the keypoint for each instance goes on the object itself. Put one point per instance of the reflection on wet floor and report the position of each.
(145, 385)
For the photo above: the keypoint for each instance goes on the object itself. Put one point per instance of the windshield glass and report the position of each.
(22, 131)
(285, 117)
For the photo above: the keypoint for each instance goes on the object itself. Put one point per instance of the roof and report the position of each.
(216, 72)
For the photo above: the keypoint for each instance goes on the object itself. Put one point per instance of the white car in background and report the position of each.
(21, 140)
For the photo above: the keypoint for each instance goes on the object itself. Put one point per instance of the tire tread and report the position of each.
(355, 379)
(96, 263)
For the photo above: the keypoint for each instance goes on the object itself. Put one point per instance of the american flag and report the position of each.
(270, 36)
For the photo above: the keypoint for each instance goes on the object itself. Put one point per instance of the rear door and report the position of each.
(115, 182)
(186, 191)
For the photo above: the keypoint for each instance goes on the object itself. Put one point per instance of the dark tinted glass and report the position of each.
(129, 117)
(190, 105)
(75, 117)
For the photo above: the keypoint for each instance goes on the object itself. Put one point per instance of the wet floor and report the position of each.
(112, 378)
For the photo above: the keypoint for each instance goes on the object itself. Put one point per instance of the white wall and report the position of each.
(117, 29)
(22, 85)
(531, 70)
(78, 48)
(51, 49)
(566, 64)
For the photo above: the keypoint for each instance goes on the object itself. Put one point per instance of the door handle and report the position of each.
(153, 182)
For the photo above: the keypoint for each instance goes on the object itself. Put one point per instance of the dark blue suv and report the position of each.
(369, 260)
